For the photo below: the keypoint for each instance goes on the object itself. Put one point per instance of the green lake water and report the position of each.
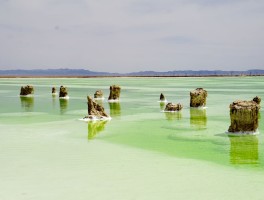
(46, 152)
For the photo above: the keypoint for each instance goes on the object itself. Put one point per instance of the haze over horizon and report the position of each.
(132, 35)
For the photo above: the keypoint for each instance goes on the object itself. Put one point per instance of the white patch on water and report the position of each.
(67, 97)
(102, 98)
(199, 108)
(29, 95)
(242, 133)
(113, 100)
(167, 111)
(94, 118)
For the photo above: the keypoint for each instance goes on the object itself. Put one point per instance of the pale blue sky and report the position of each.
(132, 35)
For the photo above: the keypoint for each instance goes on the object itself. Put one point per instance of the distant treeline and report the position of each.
(84, 72)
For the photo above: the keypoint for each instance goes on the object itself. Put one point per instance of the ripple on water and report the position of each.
(21, 114)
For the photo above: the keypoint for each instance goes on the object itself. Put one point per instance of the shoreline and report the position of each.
(172, 76)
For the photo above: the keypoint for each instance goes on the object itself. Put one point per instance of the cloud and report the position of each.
(131, 35)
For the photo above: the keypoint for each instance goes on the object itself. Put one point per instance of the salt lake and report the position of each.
(142, 153)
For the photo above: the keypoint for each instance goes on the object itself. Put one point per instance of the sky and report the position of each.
(132, 35)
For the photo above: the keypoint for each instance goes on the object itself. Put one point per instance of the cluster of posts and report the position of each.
(243, 114)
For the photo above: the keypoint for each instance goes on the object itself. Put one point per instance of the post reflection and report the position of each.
(198, 118)
(173, 115)
(27, 103)
(63, 105)
(244, 149)
(54, 101)
(162, 105)
(94, 128)
(115, 109)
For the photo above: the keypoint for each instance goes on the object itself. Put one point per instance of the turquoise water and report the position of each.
(142, 153)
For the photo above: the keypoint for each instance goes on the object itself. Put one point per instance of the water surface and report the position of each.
(142, 153)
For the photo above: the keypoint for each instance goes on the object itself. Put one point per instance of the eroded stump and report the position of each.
(63, 91)
(171, 107)
(198, 97)
(114, 92)
(162, 97)
(27, 90)
(244, 116)
(53, 90)
(95, 110)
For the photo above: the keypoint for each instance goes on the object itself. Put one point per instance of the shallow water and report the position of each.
(142, 153)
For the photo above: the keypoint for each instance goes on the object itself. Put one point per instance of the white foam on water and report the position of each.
(242, 133)
(67, 97)
(199, 108)
(113, 100)
(94, 118)
(102, 98)
(167, 111)
(29, 95)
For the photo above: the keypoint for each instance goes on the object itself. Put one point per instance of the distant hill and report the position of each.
(53, 72)
(253, 72)
(87, 73)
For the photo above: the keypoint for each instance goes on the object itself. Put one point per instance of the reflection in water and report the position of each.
(27, 103)
(162, 105)
(115, 109)
(244, 149)
(173, 115)
(63, 105)
(198, 118)
(53, 101)
(94, 128)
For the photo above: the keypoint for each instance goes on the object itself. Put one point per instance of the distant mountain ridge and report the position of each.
(52, 72)
(85, 72)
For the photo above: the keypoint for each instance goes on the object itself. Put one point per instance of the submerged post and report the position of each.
(171, 107)
(198, 97)
(53, 90)
(27, 90)
(114, 92)
(244, 116)
(162, 97)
